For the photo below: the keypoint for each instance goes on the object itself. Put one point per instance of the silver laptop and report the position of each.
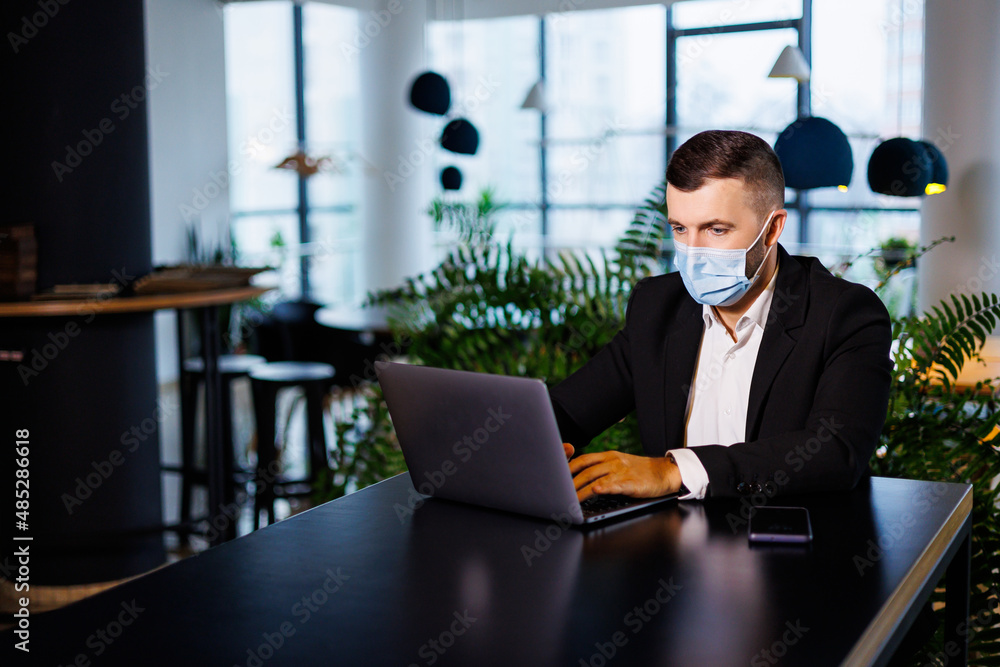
(488, 440)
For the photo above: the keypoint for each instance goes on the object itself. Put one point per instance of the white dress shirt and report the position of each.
(720, 388)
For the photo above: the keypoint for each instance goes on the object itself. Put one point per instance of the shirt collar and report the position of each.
(756, 313)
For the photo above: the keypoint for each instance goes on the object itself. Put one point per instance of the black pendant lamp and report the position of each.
(451, 178)
(939, 169)
(430, 92)
(903, 167)
(900, 167)
(815, 153)
(460, 136)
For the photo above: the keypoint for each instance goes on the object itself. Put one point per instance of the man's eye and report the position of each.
(678, 230)
(719, 231)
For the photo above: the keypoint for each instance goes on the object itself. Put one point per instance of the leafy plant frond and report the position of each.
(952, 334)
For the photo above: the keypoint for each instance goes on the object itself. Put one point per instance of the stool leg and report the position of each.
(189, 404)
(264, 397)
(318, 458)
(228, 495)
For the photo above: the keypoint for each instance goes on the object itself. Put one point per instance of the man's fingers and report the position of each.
(585, 492)
(568, 448)
(587, 460)
(603, 485)
(589, 475)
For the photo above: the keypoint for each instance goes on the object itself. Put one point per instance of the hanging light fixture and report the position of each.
(815, 153)
(451, 178)
(536, 98)
(939, 169)
(307, 165)
(430, 92)
(791, 64)
(902, 167)
(899, 167)
(460, 136)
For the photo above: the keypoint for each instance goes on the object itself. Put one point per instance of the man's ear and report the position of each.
(777, 226)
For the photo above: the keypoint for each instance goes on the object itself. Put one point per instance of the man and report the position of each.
(751, 371)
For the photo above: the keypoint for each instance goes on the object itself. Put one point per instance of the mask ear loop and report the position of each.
(767, 252)
(770, 217)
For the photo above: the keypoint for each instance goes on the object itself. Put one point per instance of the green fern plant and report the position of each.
(367, 450)
(490, 308)
(938, 430)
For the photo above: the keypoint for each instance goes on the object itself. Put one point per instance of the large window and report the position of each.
(603, 142)
(871, 89)
(858, 88)
(267, 101)
(622, 85)
(489, 66)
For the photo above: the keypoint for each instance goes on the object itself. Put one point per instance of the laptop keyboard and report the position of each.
(605, 503)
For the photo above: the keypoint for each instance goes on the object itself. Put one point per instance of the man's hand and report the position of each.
(627, 474)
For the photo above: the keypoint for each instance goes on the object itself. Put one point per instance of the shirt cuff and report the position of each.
(693, 473)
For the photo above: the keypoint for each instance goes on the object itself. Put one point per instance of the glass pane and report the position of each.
(522, 224)
(838, 237)
(858, 88)
(333, 103)
(606, 72)
(710, 13)
(490, 66)
(608, 170)
(261, 104)
(334, 269)
(582, 228)
(722, 83)
(270, 240)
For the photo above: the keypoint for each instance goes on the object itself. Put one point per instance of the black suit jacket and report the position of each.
(818, 395)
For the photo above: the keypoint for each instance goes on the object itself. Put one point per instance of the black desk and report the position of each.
(360, 581)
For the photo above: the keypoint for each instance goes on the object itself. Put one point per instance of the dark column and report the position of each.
(75, 140)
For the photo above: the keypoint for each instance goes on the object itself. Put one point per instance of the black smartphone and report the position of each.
(780, 524)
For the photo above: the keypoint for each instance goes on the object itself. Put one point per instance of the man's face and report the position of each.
(718, 215)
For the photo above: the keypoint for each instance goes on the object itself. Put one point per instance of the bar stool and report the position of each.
(231, 367)
(266, 381)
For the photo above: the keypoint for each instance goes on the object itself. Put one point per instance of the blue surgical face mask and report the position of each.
(714, 276)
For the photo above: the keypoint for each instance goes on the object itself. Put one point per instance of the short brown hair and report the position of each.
(730, 154)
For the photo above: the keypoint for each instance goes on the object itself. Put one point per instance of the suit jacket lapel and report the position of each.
(787, 313)
(680, 352)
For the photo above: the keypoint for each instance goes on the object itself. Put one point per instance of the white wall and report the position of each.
(187, 139)
(962, 117)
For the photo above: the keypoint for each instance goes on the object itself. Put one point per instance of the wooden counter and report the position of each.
(130, 304)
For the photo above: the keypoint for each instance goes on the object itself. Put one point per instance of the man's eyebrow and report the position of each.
(708, 223)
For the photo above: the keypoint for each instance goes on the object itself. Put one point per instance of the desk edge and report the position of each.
(871, 643)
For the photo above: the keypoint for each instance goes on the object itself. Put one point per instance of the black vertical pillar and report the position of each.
(804, 107)
(75, 145)
(300, 135)
(75, 136)
(543, 148)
